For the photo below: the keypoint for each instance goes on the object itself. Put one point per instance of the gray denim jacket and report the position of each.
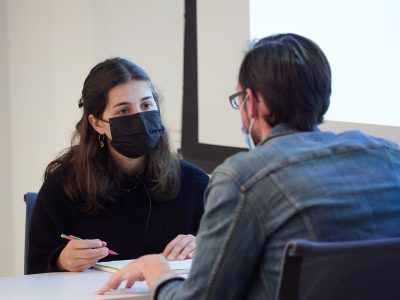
(312, 185)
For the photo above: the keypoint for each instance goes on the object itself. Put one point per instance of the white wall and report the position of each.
(47, 48)
(364, 79)
(228, 32)
(6, 248)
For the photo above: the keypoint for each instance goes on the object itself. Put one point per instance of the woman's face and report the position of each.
(129, 98)
(126, 99)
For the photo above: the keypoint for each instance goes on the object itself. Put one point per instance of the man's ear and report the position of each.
(251, 105)
(256, 105)
(96, 123)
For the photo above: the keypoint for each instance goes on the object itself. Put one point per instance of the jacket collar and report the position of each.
(284, 129)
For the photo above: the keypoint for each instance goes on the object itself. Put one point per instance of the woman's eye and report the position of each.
(147, 106)
(124, 110)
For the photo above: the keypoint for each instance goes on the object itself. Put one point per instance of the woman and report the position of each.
(119, 184)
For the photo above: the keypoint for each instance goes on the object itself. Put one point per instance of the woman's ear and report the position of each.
(96, 123)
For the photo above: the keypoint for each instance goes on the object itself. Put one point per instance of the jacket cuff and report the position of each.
(167, 283)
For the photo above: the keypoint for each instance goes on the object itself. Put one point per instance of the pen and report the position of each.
(72, 237)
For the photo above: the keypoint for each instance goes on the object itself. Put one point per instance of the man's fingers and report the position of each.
(111, 284)
(129, 284)
(114, 282)
(134, 272)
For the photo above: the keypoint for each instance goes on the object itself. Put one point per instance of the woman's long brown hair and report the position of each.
(90, 172)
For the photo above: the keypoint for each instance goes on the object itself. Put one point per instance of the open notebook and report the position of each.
(178, 266)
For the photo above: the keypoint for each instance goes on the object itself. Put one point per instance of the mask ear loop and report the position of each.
(240, 110)
(244, 102)
(251, 126)
(248, 136)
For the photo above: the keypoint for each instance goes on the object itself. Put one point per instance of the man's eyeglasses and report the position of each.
(234, 99)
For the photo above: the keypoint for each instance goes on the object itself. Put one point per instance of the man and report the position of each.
(298, 182)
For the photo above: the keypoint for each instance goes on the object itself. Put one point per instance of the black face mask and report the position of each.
(136, 135)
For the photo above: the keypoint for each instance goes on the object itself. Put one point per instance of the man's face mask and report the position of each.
(247, 135)
(136, 135)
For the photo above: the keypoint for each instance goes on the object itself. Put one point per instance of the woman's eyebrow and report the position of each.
(129, 103)
(145, 98)
(122, 103)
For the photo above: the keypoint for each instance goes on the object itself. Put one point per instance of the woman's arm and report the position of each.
(51, 216)
(44, 242)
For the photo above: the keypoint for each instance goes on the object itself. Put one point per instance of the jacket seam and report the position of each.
(257, 210)
(389, 158)
(271, 169)
(221, 256)
(297, 207)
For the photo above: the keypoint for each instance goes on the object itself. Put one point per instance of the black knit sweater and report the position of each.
(122, 224)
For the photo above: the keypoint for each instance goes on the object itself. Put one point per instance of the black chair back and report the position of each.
(365, 270)
(30, 200)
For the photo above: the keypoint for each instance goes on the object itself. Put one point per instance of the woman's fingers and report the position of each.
(180, 247)
(188, 250)
(78, 255)
(171, 245)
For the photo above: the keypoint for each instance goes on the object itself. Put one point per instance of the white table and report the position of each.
(66, 286)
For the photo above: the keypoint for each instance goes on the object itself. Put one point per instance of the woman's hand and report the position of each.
(180, 248)
(149, 268)
(79, 255)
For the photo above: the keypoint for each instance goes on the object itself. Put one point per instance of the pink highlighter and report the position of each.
(72, 237)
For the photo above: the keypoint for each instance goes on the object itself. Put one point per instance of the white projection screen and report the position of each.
(361, 40)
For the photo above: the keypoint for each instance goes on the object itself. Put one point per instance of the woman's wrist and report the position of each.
(59, 264)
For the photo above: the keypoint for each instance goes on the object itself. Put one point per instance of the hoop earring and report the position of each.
(101, 140)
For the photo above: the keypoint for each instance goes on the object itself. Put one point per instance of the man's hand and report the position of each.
(149, 268)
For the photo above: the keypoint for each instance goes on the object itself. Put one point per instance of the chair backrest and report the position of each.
(340, 270)
(30, 200)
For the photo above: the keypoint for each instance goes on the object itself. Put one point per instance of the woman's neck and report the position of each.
(129, 166)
